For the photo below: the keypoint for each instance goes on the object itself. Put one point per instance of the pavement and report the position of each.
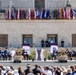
(40, 63)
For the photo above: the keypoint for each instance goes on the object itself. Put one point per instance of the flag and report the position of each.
(32, 14)
(24, 14)
(69, 13)
(39, 15)
(48, 14)
(6, 14)
(61, 13)
(73, 13)
(64, 15)
(54, 14)
(58, 14)
(9, 13)
(12, 14)
(36, 14)
(18, 15)
(45, 14)
(29, 14)
(21, 15)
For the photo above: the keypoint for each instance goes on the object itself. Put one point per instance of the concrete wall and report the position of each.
(53, 4)
(18, 3)
(39, 29)
(31, 3)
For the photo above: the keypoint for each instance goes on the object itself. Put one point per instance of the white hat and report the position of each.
(15, 72)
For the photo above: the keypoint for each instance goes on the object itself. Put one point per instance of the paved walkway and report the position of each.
(41, 63)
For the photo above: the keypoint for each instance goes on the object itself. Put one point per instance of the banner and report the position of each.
(53, 47)
(26, 48)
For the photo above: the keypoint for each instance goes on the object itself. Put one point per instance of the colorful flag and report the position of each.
(32, 14)
(39, 15)
(24, 14)
(45, 14)
(9, 13)
(69, 13)
(18, 15)
(36, 14)
(6, 14)
(29, 14)
(64, 15)
(12, 14)
(21, 15)
(48, 14)
(73, 13)
(61, 13)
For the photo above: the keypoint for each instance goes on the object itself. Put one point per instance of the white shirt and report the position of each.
(48, 72)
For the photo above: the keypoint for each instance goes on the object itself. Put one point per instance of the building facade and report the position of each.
(15, 33)
(38, 4)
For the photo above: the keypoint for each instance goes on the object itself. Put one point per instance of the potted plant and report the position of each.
(45, 53)
(62, 56)
(32, 55)
(49, 56)
(18, 55)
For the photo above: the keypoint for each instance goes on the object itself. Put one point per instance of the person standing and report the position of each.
(62, 43)
(28, 70)
(36, 70)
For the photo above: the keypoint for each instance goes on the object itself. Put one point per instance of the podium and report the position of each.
(39, 54)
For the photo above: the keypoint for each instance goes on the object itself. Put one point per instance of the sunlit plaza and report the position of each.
(37, 37)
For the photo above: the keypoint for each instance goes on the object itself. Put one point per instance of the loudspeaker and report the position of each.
(17, 61)
(63, 61)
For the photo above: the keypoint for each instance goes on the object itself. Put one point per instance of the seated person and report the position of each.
(25, 54)
(73, 53)
(54, 54)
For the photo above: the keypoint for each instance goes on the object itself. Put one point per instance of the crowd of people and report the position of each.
(38, 70)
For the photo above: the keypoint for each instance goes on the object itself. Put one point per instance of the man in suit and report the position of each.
(55, 53)
(28, 70)
(36, 70)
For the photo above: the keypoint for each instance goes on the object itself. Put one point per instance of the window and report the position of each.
(27, 39)
(52, 38)
(74, 40)
(3, 40)
(39, 4)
